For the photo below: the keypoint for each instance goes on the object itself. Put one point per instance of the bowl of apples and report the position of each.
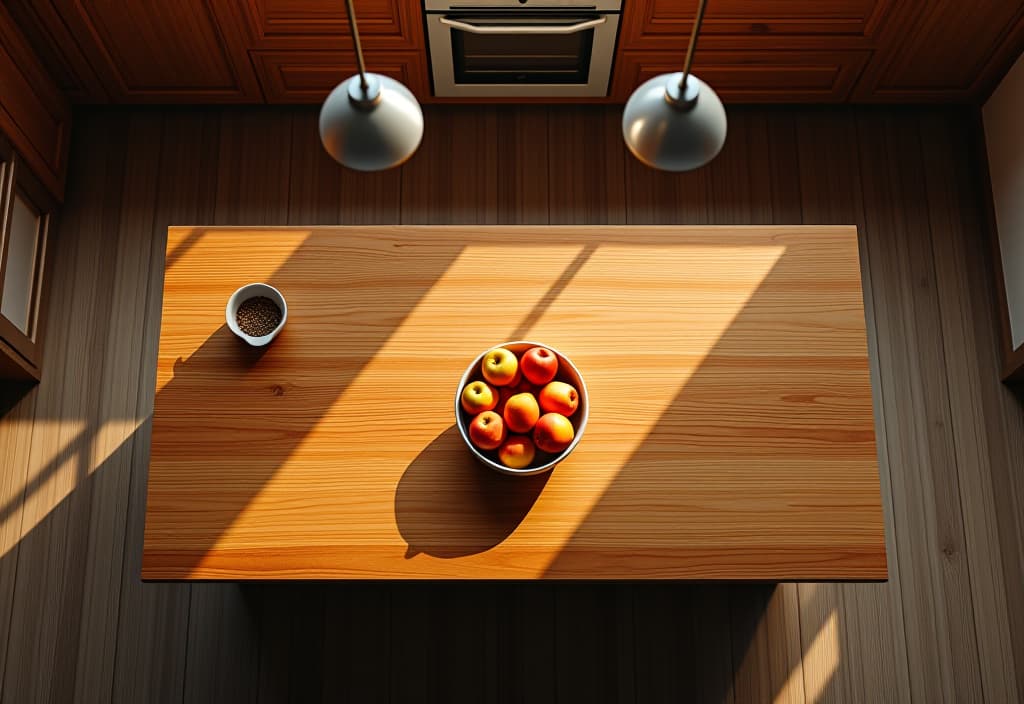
(521, 407)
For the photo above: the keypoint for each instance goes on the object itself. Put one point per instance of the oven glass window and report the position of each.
(522, 58)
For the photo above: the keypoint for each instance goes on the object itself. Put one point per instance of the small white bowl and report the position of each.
(244, 294)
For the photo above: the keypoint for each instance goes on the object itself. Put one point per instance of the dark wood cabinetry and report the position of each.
(34, 127)
(34, 113)
(295, 51)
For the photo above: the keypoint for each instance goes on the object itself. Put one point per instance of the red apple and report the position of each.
(479, 396)
(553, 432)
(521, 413)
(559, 397)
(517, 452)
(539, 365)
(487, 431)
(499, 367)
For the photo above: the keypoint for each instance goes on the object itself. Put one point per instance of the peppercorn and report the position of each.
(258, 316)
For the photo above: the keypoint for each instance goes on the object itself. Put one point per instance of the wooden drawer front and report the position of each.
(308, 76)
(323, 24)
(739, 77)
(656, 24)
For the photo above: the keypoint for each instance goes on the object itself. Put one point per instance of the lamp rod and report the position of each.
(693, 45)
(354, 29)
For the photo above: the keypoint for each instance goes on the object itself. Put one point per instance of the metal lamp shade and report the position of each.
(670, 131)
(371, 131)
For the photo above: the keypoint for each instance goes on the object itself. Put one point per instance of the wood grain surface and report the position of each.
(731, 433)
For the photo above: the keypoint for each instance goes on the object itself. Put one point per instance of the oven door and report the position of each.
(522, 54)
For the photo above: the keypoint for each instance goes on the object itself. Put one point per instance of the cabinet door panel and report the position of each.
(323, 24)
(738, 77)
(308, 76)
(792, 24)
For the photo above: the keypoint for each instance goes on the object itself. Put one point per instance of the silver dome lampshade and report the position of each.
(370, 122)
(674, 121)
(373, 129)
(673, 131)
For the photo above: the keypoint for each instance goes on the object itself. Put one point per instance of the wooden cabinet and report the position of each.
(34, 114)
(943, 51)
(294, 51)
(27, 214)
(301, 49)
(35, 120)
(784, 51)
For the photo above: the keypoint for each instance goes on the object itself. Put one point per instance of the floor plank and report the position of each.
(853, 642)
(121, 368)
(969, 432)
(52, 556)
(153, 618)
(941, 644)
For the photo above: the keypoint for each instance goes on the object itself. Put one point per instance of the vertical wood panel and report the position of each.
(765, 623)
(523, 186)
(683, 647)
(941, 643)
(357, 644)
(586, 167)
(121, 369)
(453, 177)
(1003, 406)
(252, 189)
(865, 656)
(51, 560)
(153, 618)
(969, 432)
(16, 432)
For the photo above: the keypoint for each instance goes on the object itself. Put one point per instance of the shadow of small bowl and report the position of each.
(567, 372)
(244, 294)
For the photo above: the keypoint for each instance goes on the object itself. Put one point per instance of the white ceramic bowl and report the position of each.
(244, 294)
(567, 372)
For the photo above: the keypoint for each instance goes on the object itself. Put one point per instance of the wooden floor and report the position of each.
(948, 626)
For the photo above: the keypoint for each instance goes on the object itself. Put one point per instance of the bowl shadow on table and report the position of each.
(449, 505)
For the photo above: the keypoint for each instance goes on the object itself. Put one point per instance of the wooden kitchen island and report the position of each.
(731, 434)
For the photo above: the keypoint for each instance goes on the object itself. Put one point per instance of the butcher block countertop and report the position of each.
(730, 438)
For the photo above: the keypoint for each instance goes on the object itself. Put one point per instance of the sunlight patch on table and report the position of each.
(585, 322)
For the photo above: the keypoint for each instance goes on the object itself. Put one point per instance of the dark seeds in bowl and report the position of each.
(258, 316)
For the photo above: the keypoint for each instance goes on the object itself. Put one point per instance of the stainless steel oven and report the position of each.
(522, 48)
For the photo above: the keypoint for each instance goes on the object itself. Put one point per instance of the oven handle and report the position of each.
(523, 29)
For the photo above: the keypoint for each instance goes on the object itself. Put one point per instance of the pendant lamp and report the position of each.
(674, 121)
(370, 122)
